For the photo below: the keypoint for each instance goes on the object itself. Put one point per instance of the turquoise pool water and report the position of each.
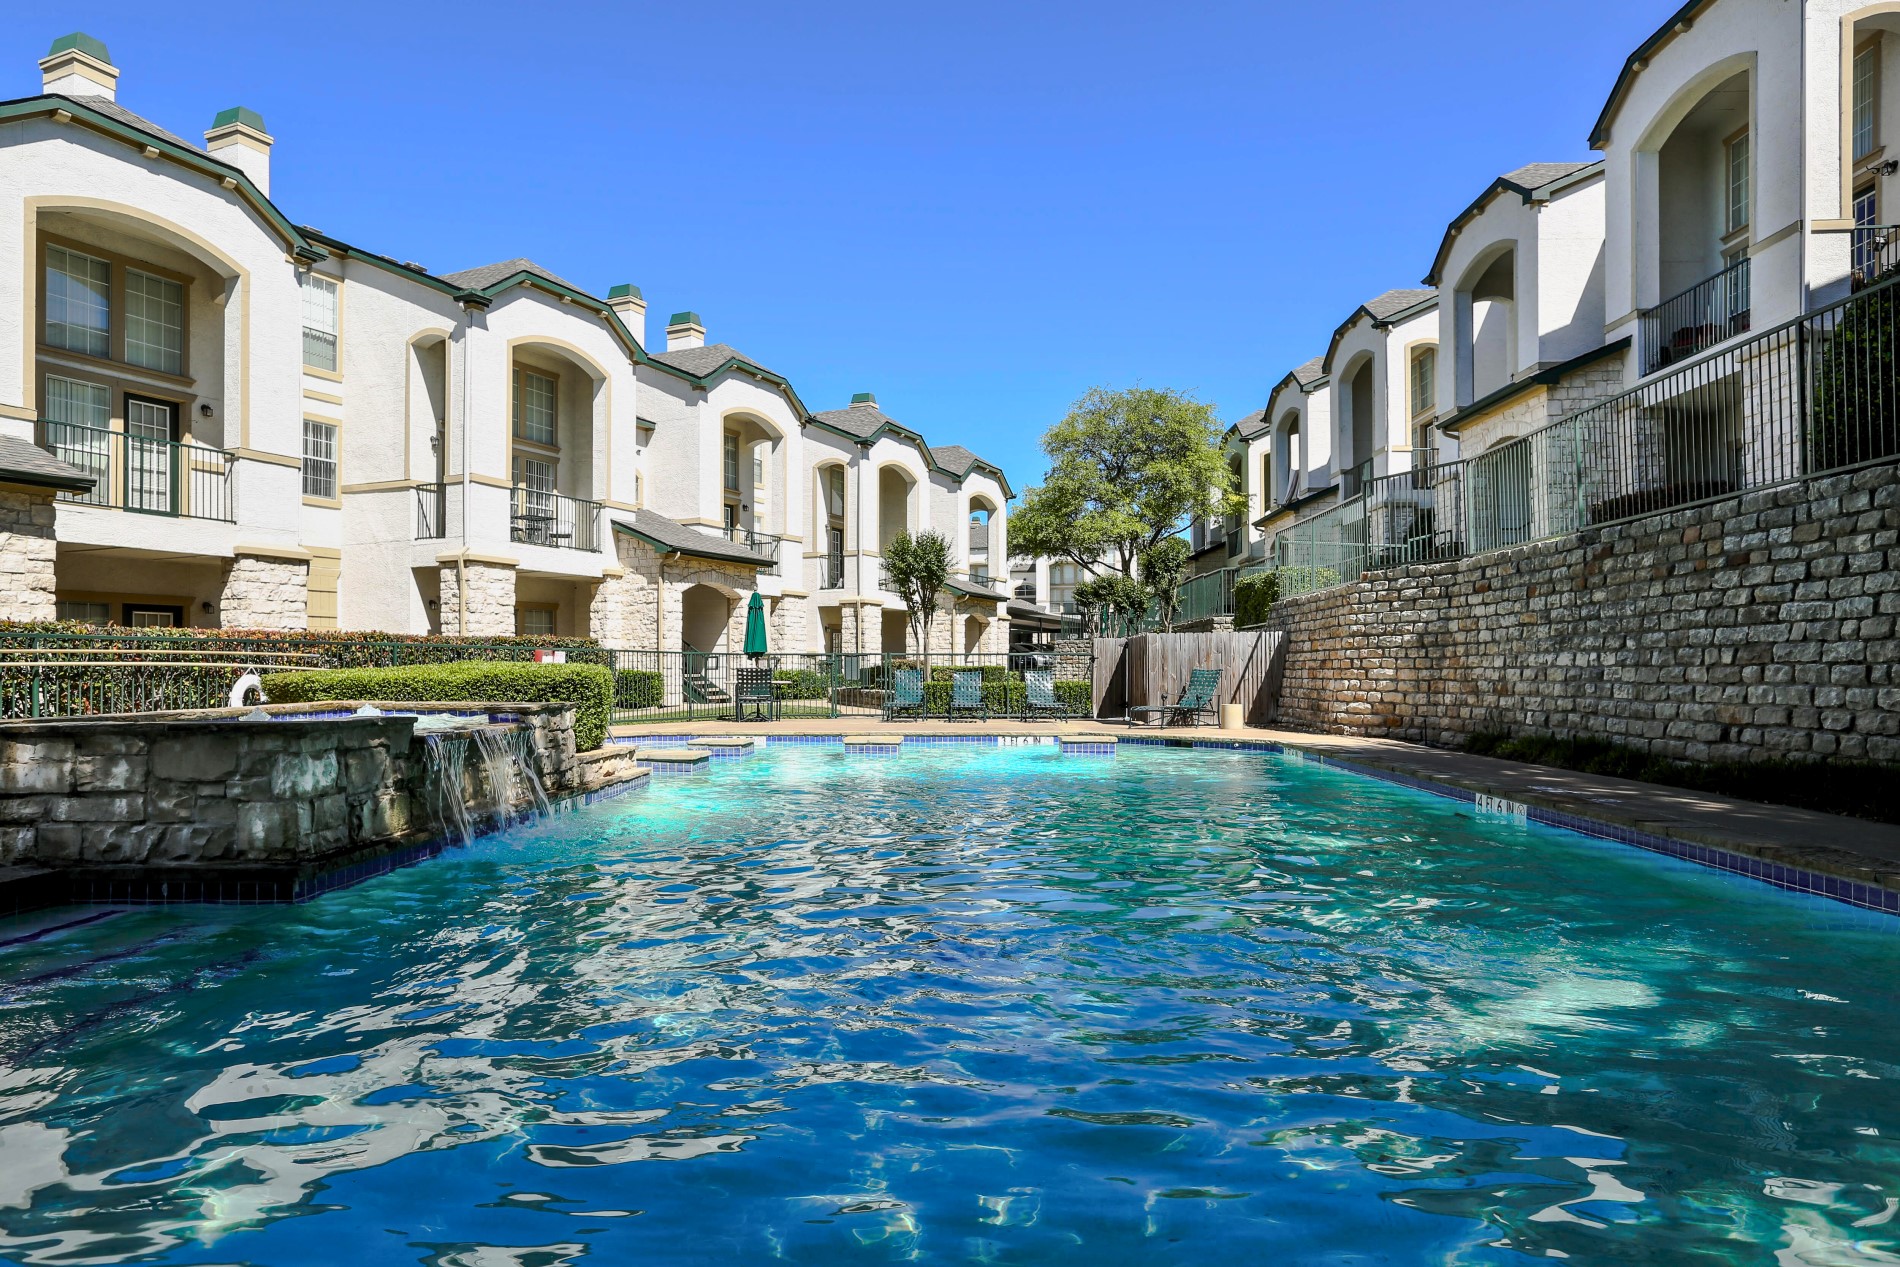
(969, 1006)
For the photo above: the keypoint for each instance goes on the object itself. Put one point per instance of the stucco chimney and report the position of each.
(863, 400)
(237, 137)
(626, 300)
(684, 330)
(78, 66)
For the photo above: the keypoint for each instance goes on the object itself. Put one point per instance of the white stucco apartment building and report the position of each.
(213, 416)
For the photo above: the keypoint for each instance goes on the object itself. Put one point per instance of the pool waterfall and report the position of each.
(476, 772)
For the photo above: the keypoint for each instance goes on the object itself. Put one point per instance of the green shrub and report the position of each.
(1076, 696)
(146, 673)
(589, 686)
(638, 688)
(1254, 597)
(1304, 580)
(1864, 789)
(1856, 413)
(804, 684)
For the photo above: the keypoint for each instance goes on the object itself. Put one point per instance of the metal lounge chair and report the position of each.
(1200, 697)
(966, 696)
(1039, 695)
(754, 687)
(906, 694)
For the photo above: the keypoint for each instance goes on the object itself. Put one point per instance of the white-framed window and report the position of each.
(154, 322)
(731, 462)
(320, 323)
(1424, 381)
(1866, 117)
(88, 613)
(535, 477)
(79, 418)
(152, 618)
(1736, 165)
(319, 459)
(536, 400)
(1063, 578)
(534, 622)
(1867, 242)
(78, 302)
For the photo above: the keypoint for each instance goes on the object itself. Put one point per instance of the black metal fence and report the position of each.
(1819, 394)
(680, 686)
(543, 518)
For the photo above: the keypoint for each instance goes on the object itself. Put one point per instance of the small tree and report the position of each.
(919, 567)
(1127, 469)
(1114, 594)
(1164, 565)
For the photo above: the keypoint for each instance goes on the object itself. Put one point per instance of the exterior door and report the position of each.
(151, 455)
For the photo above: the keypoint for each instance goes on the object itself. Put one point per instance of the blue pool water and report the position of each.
(969, 1006)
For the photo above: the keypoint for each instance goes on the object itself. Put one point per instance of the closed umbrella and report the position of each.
(755, 627)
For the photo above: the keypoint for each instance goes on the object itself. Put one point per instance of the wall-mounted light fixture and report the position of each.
(204, 411)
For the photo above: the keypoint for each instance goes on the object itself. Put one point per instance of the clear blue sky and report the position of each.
(976, 210)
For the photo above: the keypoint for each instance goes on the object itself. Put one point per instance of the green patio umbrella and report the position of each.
(755, 627)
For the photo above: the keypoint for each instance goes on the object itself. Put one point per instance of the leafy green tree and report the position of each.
(919, 568)
(1127, 470)
(1164, 566)
(1113, 594)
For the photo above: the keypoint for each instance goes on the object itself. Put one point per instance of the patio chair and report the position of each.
(1039, 695)
(906, 694)
(753, 687)
(1200, 697)
(966, 696)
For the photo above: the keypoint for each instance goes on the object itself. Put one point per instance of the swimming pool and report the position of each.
(969, 1004)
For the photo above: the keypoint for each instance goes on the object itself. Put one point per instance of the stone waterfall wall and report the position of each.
(174, 789)
(1758, 626)
(28, 574)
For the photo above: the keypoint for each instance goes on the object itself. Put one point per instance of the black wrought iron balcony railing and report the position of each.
(432, 511)
(1354, 479)
(148, 476)
(1876, 253)
(542, 518)
(1710, 312)
(758, 542)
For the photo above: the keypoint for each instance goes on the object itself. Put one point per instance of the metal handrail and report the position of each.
(1875, 253)
(432, 511)
(758, 542)
(1712, 311)
(145, 476)
(543, 518)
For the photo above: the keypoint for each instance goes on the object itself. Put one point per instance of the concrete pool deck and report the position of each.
(1853, 849)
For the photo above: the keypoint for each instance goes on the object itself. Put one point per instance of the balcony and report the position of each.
(831, 572)
(757, 542)
(432, 511)
(1709, 312)
(539, 517)
(1353, 480)
(146, 476)
(1876, 253)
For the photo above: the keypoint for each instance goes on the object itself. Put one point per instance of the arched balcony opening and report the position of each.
(895, 511)
(1288, 460)
(557, 423)
(986, 544)
(1703, 217)
(828, 523)
(1871, 109)
(1485, 324)
(751, 482)
(1359, 428)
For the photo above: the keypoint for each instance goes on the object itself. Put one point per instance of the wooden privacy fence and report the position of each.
(1151, 669)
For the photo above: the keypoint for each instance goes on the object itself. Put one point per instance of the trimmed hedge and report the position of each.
(638, 688)
(1254, 597)
(589, 686)
(149, 674)
(1864, 789)
(1004, 693)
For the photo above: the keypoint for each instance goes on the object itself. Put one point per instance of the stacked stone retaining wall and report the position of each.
(1761, 625)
